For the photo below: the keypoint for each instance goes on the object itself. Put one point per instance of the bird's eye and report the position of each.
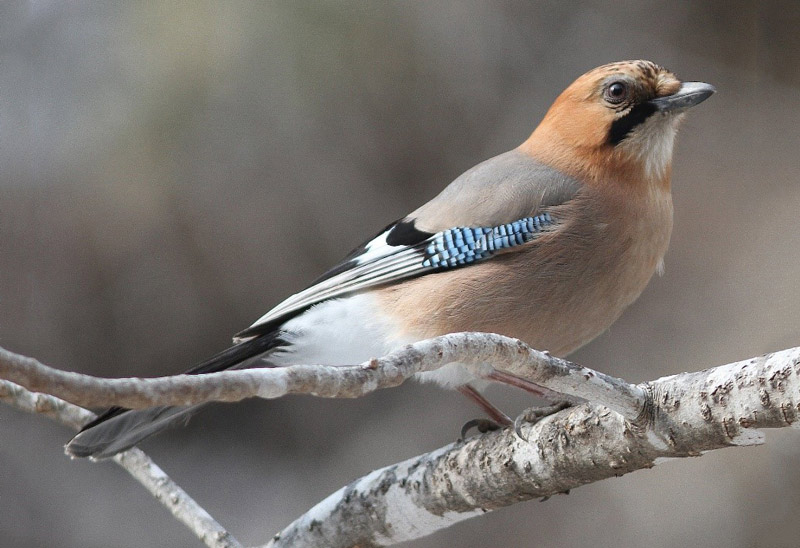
(616, 92)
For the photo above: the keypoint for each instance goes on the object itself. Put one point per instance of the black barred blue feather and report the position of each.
(464, 245)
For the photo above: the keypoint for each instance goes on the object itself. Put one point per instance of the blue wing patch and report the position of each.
(464, 245)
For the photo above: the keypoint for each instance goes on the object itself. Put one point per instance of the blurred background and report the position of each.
(170, 172)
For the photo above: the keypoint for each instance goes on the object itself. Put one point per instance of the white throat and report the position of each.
(651, 142)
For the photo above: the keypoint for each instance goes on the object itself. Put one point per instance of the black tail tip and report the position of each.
(78, 450)
(86, 444)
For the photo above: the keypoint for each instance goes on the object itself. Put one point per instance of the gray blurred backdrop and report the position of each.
(170, 172)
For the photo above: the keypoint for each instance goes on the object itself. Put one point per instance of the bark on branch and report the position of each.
(623, 428)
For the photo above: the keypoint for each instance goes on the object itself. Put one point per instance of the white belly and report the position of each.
(345, 331)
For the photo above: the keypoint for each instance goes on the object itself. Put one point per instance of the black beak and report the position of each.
(690, 94)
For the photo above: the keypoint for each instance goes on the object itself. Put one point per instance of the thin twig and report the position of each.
(134, 461)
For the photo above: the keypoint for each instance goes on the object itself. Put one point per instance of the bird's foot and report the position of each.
(532, 415)
(497, 419)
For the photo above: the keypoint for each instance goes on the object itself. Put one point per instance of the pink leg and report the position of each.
(527, 386)
(493, 412)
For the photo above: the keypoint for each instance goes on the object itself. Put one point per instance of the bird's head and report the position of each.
(617, 122)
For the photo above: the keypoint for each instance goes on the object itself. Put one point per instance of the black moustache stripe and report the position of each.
(622, 127)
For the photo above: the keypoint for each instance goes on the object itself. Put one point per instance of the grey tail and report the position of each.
(118, 429)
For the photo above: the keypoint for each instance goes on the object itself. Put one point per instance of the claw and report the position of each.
(483, 426)
(518, 428)
(532, 415)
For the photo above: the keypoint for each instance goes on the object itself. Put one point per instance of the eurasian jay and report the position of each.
(547, 243)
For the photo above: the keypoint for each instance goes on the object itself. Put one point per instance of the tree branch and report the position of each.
(689, 414)
(471, 349)
(134, 461)
(623, 428)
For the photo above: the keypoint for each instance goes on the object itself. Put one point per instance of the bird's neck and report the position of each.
(602, 165)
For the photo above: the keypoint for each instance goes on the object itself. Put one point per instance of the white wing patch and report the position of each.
(380, 263)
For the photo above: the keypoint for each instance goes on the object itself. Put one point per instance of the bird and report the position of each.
(547, 243)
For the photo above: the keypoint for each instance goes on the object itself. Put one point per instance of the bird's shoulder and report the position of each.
(499, 190)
